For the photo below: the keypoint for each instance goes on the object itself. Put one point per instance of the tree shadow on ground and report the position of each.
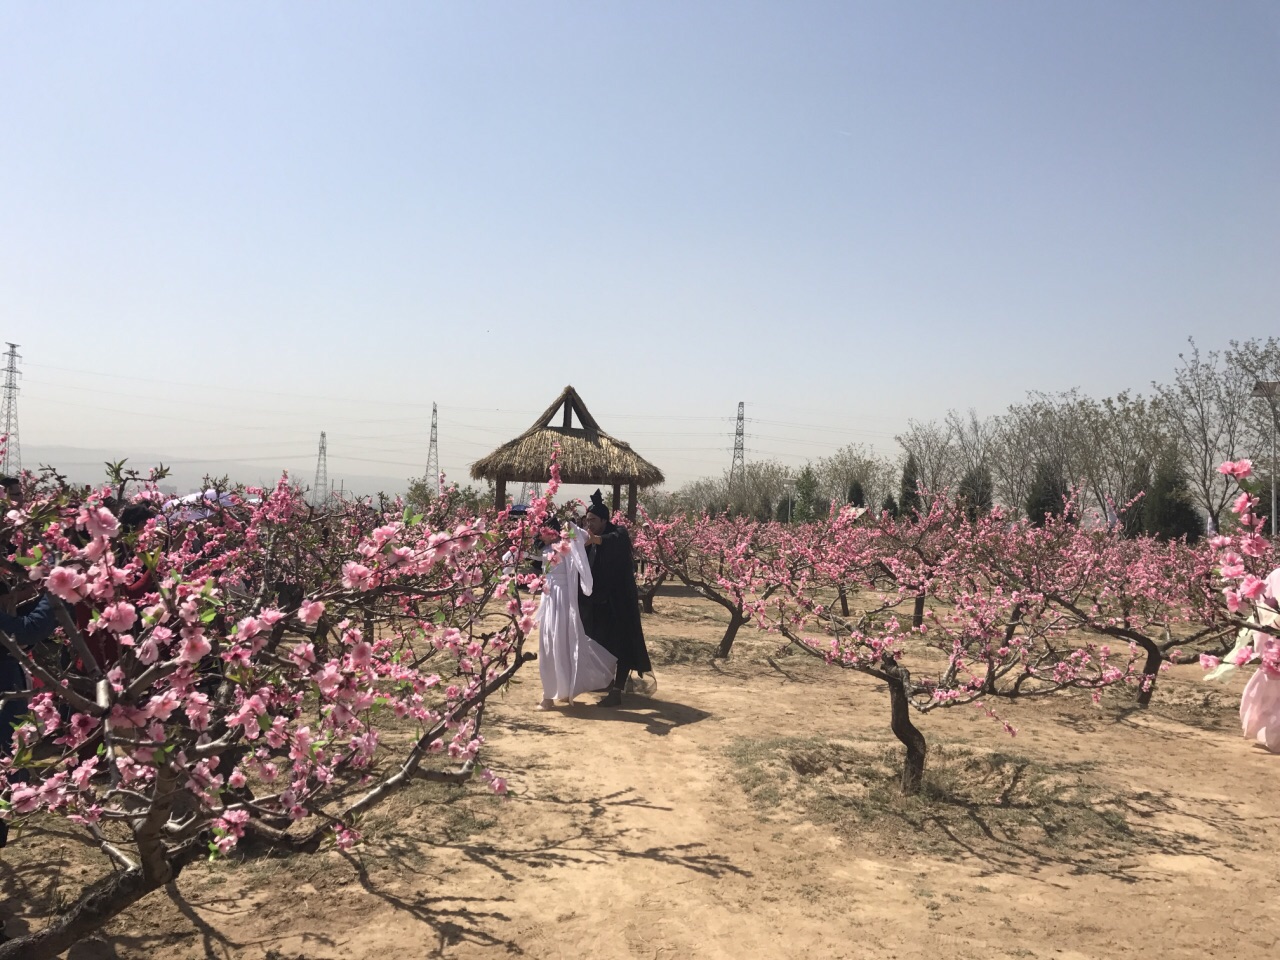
(599, 806)
(29, 889)
(1005, 812)
(789, 672)
(587, 837)
(585, 846)
(523, 724)
(592, 832)
(41, 900)
(590, 837)
(452, 919)
(216, 943)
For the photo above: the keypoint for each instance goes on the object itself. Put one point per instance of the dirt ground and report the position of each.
(748, 810)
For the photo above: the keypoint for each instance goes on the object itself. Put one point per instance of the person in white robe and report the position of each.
(569, 661)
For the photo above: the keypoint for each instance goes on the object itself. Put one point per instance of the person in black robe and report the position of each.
(611, 615)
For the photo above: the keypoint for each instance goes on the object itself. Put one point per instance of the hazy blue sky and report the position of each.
(225, 227)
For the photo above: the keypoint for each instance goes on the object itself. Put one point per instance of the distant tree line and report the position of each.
(1146, 462)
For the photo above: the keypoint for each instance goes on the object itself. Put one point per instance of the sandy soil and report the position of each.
(747, 811)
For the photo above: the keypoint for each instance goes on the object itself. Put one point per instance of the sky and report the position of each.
(227, 227)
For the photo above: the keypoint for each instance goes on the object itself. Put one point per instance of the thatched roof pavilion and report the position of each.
(587, 455)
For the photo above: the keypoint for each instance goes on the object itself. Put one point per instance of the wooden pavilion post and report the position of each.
(631, 501)
(500, 494)
(617, 497)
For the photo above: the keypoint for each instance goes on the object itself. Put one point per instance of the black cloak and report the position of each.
(611, 615)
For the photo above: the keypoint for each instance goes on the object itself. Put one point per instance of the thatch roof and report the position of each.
(587, 453)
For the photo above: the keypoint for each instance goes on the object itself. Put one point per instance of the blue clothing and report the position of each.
(30, 628)
(27, 630)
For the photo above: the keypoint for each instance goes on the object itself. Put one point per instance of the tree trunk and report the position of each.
(1150, 671)
(646, 596)
(917, 616)
(844, 603)
(102, 901)
(726, 643)
(906, 731)
(1010, 630)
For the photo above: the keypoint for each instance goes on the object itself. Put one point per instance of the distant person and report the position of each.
(11, 489)
(569, 661)
(611, 613)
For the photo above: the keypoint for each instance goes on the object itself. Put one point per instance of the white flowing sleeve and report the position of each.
(578, 551)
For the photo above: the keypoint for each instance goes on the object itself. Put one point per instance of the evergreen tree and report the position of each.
(1047, 494)
(890, 506)
(855, 496)
(784, 510)
(764, 511)
(808, 506)
(1167, 513)
(976, 492)
(909, 494)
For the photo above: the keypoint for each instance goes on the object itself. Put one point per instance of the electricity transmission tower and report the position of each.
(12, 462)
(529, 492)
(737, 472)
(433, 457)
(320, 490)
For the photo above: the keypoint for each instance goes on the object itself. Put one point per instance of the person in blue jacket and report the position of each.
(26, 630)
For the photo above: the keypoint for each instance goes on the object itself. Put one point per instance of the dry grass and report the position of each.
(1002, 807)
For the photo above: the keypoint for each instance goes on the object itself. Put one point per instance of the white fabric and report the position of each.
(569, 661)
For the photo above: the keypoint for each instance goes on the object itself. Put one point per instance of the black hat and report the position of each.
(597, 506)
